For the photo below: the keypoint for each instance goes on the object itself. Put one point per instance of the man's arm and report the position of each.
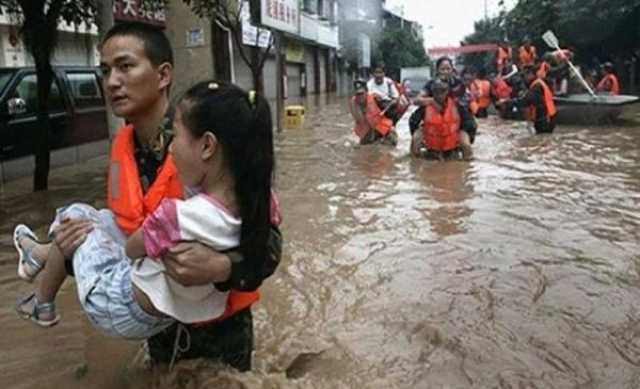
(70, 234)
(196, 264)
(135, 245)
(242, 276)
(468, 121)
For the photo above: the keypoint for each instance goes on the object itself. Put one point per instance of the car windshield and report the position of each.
(5, 76)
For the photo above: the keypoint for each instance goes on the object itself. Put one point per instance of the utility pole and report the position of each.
(486, 13)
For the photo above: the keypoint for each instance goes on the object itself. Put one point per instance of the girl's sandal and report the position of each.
(28, 266)
(30, 309)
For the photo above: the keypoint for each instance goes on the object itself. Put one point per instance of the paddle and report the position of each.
(551, 40)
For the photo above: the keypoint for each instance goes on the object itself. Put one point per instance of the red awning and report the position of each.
(467, 49)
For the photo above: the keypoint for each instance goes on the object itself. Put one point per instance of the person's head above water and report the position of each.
(468, 75)
(224, 134)
(378, 74)
(608, 67)
(137, 66)
(444, 67)
(440, 90)
(360, 86)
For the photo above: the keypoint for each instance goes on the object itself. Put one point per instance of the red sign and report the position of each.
(467, 49)
(132, 11)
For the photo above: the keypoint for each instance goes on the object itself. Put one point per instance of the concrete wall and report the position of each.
(73, 49)
(191, 63)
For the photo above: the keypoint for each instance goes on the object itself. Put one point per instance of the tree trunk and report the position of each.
(220, 52)
(256, 71)
(41, 44)
(44, 74)
(105, 21)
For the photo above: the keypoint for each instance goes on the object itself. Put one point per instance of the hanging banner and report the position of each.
(282, 15)
(467, 49)
(132, 11)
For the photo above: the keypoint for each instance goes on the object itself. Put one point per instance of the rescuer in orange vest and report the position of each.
(539, 101)
(609, 83)
(446, 126)
(445, 72)
(370, 124)
(137, 64)
(527, 54)
(471, 95)
(481, 88)
(504, 54)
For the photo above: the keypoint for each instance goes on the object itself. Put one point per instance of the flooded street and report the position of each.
(520, 269)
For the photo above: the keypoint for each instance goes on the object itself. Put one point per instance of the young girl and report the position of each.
(223, 151)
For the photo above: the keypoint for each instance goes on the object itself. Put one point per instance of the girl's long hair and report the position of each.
(242, 124)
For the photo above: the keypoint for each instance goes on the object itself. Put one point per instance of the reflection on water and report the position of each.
(517, 270)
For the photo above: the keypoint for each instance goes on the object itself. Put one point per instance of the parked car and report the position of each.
(76, 109)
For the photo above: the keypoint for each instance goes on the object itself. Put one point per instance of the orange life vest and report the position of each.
(550, 106)
(361, 128)
(613, 82)
(130, 206)
(375, 118)
(441, 130)
(543, 70)
(501, 89)
(527, 57)
(482, 88)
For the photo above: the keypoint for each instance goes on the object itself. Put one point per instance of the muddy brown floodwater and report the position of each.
(520, 269)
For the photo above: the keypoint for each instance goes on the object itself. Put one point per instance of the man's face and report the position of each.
(378, 76)
(445, 70)
(132, 84)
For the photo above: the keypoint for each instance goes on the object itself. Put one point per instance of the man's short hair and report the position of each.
(156, 45)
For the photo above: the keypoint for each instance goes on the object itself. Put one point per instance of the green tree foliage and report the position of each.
(397, 48)
(604, 29)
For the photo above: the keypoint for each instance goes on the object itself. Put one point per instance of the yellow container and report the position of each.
(294, 117)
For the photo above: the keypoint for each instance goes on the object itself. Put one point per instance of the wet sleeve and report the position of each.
(427, 88)
(457, 87)
(416, 119)
(160, 230)
(243, 277)
(468, 121)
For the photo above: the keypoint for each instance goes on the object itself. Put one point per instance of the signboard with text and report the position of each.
(252, 35)
(133, 11)
(282, 15)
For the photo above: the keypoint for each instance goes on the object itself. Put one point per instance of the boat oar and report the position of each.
(550, 39)
(393, 101)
